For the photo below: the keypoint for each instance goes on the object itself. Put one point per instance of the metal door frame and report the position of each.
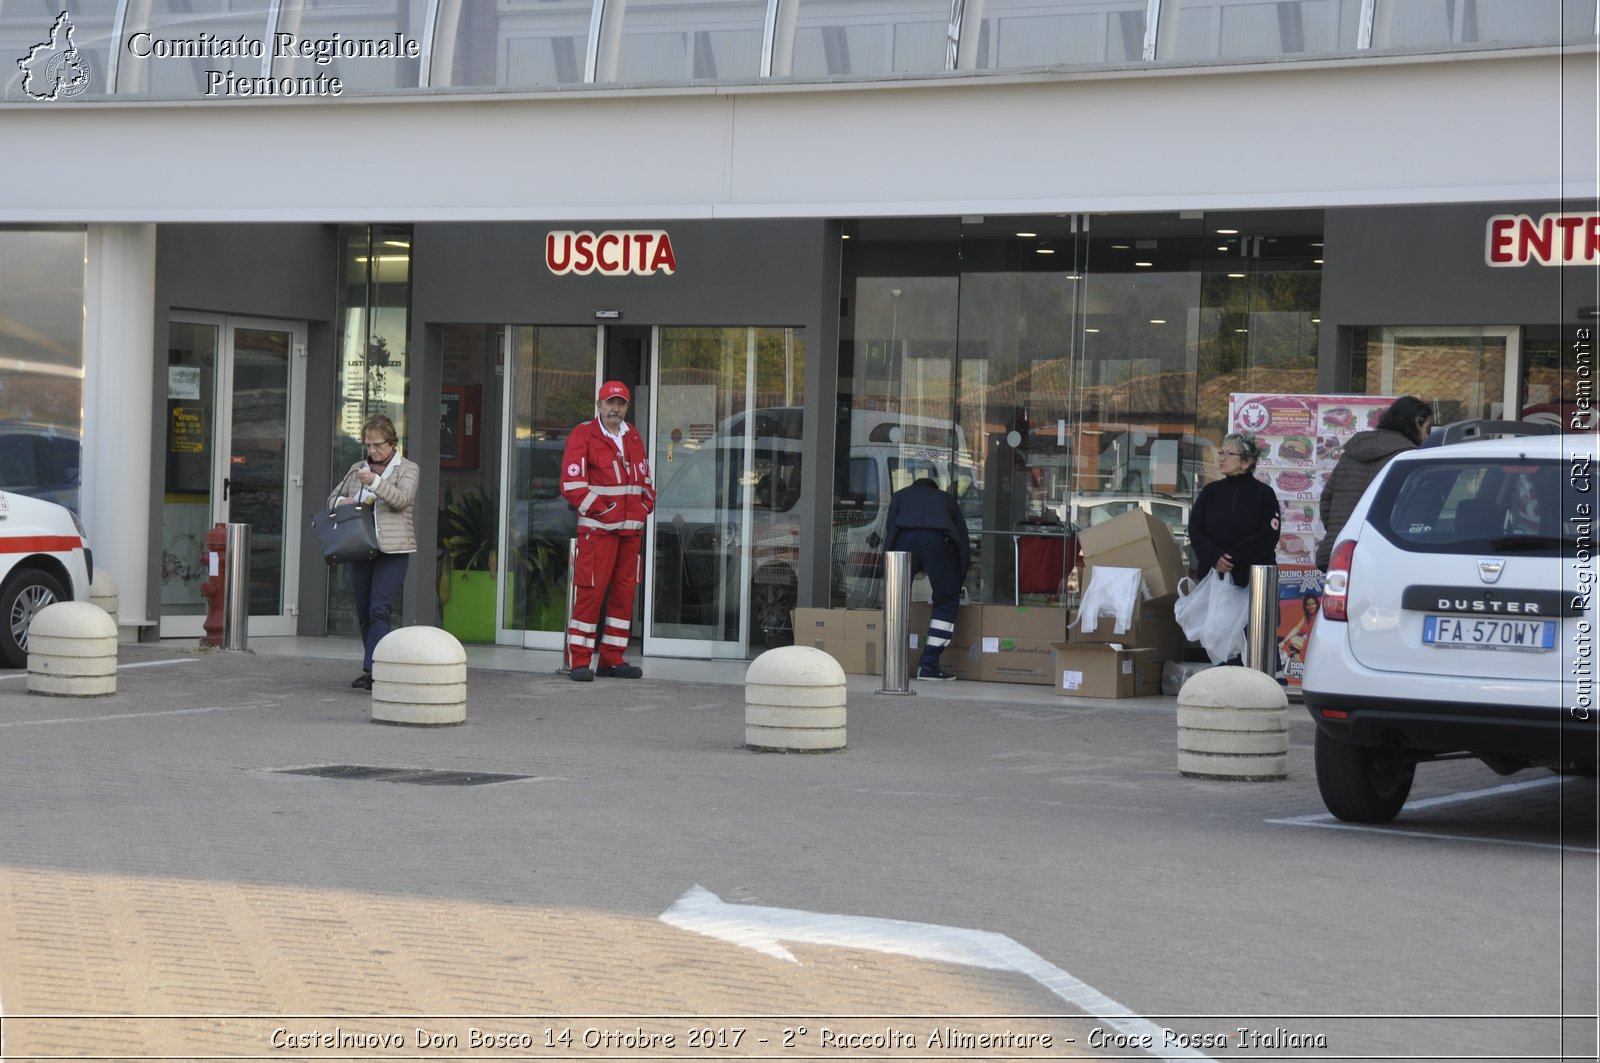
(286, 622)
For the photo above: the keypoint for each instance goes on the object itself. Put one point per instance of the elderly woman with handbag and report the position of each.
(388, 482)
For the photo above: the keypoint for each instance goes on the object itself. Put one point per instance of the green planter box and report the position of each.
(469, 613)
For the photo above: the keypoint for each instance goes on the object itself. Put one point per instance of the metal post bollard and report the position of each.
(236, 590)
(896, 612)
(1262, 652)
(572, 599)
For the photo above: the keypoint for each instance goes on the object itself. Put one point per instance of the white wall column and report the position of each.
(118, 373)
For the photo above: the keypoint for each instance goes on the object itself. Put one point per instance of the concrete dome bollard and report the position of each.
(1233, 723)
(419, 678)
(72, 651)
(103, 592)
(794, 701)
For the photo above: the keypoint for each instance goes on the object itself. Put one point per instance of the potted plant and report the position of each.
(467, 534)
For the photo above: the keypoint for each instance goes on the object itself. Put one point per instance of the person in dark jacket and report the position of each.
(1235, 521)
(926, 522)
(1403, 426)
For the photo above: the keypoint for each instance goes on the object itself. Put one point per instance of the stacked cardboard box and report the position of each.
(1018, 644)
(1102, 662)
(1136, 540)
(996, 643)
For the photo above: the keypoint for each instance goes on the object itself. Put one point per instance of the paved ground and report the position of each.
(156, 860)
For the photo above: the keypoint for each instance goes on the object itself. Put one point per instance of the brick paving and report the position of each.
(166, 890)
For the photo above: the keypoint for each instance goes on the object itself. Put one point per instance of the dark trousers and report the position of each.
(932, 552)
(376, 587)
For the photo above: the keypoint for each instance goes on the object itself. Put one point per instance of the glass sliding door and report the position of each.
(235, 392)
(551, 391)
(724, 548)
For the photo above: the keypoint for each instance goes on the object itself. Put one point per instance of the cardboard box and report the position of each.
(1136, 540)
(856, 658)
(865, 627)
(1147, 672)
(1093, 670)
(851, 637)
(1047, 622)
(812, 626)
(1008, 660)
(963, 660)
(1153, 628)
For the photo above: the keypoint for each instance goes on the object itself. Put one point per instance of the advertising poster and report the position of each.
(1301, 437)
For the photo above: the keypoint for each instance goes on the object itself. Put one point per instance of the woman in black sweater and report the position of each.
(1234, 522)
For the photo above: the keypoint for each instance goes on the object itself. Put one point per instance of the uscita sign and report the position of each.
(612, 253)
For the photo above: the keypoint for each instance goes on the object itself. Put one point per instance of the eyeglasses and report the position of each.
(375, 446)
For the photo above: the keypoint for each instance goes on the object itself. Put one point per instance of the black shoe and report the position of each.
(935, 673)
(581, 674)
(620, 671)
(362, 681)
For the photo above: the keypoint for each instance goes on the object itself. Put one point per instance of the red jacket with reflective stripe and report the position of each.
(612, 492)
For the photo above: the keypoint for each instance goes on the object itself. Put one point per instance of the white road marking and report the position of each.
(23, 674)
(111, 717)
(1329, 821)
(755, 927)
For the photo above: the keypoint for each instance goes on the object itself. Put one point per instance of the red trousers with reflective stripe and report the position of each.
(602, 610)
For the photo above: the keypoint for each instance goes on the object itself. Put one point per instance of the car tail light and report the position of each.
(1337, 586)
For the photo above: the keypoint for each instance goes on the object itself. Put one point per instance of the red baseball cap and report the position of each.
(614, 389)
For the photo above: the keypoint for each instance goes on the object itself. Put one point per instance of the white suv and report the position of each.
(44, 558)
(1458, 618)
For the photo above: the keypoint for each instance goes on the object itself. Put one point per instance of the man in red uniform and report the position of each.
(607, 480)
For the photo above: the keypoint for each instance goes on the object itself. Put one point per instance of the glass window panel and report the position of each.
(372, 336)
(835, 38)
(376, 31)
(1425, 23)
(258, 469)
(179, 48)
(670, 40)
(47, 63)
(41, 350)
(1234, 28)
(1458, 370)
(1022, 33)
(518, 43)
(553, 377)
(190, 434)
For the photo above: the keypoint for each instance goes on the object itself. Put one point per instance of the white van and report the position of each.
(702, 495)
(44, 559)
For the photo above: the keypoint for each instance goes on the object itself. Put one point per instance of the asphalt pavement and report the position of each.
(228, 859)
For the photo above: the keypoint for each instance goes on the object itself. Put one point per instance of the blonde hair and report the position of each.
(384, 427)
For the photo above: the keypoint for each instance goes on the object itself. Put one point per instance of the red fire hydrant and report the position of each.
(216, 561)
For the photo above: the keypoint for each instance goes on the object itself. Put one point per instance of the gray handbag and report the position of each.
(347, 533)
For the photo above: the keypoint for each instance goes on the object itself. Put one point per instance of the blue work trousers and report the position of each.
(932, 552)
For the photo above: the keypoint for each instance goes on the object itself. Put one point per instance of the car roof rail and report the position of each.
(1466, 431)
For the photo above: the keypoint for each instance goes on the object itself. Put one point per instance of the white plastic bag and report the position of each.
(1112, 592)
(1213, 613)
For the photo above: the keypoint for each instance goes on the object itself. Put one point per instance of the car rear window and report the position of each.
(1466, 505)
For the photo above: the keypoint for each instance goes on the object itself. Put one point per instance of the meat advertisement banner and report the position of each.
(1301, 437)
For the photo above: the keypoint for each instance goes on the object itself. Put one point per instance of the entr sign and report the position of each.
(613, 252)
(1549, 240)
